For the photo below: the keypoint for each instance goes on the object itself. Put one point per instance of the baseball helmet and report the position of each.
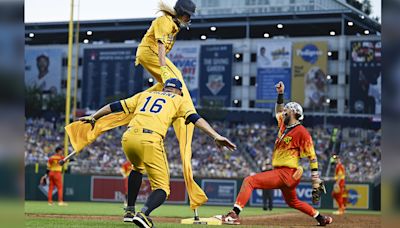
(183, 7)
(173, 83)
(296, 108)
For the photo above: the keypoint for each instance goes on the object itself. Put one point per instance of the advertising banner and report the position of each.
(186, 59)
(310, 61)
(43, 69)
(216, 75)
(109, 74)
(303, 191)
(274, 62)
(357, 196)
(111, 188)
(365, 77)
(219, 192)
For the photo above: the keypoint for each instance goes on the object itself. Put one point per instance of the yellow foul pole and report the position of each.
(76, 66)
(69, 69)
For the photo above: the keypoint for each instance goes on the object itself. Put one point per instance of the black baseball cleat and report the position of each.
(325, 220)
(141, 220)
(128, 216)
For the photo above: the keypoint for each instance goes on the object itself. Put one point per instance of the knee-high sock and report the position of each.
(134, 183)
(156, 198)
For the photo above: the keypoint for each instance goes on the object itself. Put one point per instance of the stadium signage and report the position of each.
(219, 192)
(111, 189)
(309, 53)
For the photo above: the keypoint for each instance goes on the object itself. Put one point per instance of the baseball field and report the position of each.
(94, 214)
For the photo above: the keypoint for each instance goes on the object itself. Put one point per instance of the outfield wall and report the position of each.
(363, 196)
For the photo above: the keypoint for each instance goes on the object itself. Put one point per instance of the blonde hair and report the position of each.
(166, 9)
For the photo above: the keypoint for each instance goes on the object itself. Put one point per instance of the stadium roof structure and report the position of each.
(263, 19)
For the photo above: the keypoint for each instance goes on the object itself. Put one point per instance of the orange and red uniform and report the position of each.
(290, 145)
(55, 177)
(126, 169)
(339, 189)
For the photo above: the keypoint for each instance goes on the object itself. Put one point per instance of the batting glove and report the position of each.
(165, 73)
(88, 119)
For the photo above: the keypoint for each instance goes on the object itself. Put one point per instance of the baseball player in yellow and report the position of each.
(151, 54)
(153, 112)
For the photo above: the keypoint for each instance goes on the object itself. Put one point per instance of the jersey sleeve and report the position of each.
(185, 109)
(307, 147)
(129, 105)
(162, 29)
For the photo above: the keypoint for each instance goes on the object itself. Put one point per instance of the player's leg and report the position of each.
(59, 184)
(270, 196)
(131, 144)
(265, 180)
(289, 194)
(155, 162)
(51, 187)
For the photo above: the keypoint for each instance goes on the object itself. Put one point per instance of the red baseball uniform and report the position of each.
(55, 177)
(126, 169)
(290, 145)
(339, 189)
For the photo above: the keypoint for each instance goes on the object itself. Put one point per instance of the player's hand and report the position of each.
(224, 142)
(88, 119)
(61, 162)
(165, 73)
(280, 87)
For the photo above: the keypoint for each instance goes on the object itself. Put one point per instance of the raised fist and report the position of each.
(280, 87)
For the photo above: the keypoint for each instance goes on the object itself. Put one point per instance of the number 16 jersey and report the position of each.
(156, 110)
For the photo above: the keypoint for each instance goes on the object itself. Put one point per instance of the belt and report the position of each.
(146, 131)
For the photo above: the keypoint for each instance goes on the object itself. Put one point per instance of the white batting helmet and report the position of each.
(296, 108)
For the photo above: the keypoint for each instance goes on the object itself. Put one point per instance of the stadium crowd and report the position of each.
(359, 148)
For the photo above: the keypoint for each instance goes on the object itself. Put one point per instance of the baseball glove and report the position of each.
(316, 192)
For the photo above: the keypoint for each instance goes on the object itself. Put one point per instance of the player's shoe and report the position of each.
(128, 216)
(338, 212)
(325, 220)
(62, 204)
(231, 218)
(50, 203)
(141, 220)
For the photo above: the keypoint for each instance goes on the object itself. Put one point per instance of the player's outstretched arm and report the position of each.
(280, 89)
(219, 140)
(97, 115)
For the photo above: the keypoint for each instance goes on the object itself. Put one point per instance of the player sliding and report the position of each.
(293, 142)
(153, 112)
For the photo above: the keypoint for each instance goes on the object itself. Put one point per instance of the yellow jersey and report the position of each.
(291, 145)
(162, 29)
(156, 110)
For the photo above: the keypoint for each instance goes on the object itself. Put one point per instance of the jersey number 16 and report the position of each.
(156, 107)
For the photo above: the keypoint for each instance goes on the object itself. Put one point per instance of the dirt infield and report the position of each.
(281, 220)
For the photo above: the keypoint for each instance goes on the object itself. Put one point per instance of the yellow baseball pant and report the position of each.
(146, 57)
(147, 154)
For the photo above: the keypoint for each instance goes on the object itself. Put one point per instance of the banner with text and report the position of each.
(303, 191)
(310, 61)
(365, 77)
(108, 188)
(186, 59)
(216, 75)
(274, 62)
(219, 192)
(109, 74)
(357, 196)
(43, 69)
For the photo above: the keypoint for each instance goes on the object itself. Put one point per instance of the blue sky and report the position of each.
(58, 10)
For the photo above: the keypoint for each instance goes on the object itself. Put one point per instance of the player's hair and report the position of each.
(166, 9)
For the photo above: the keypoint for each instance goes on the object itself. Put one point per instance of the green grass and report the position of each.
(116, 209)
